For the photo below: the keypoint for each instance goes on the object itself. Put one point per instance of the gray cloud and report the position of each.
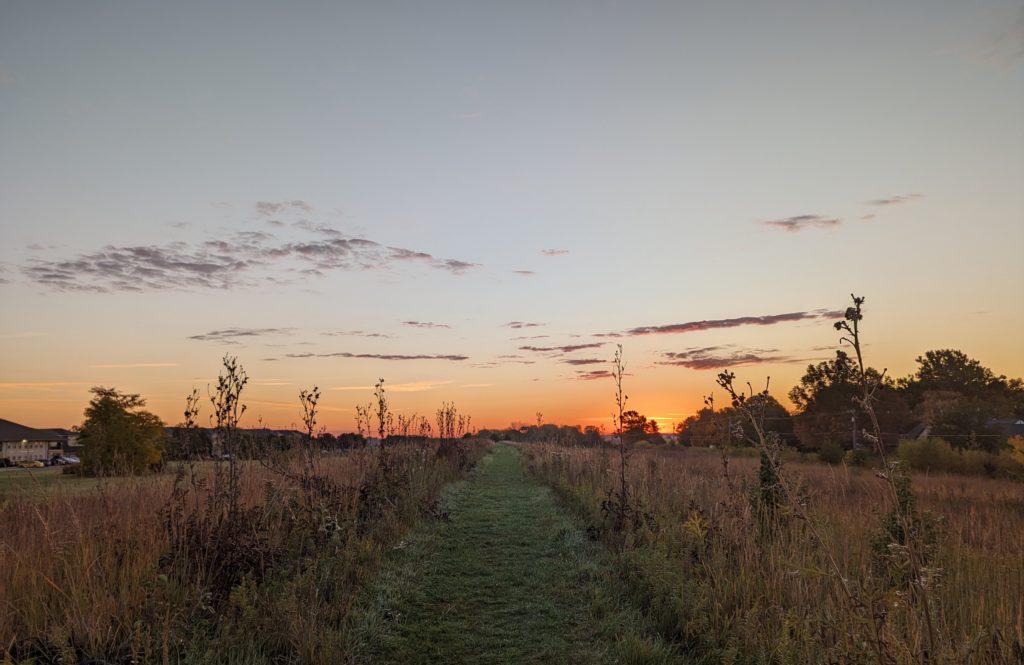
(894, 200)
(355, 333)
(525, 273)
(562, 349)
(584, 361)
(802, 222)
(511, 359)
(378, 356)
(523, 324)
(720, 357)
(270, 208)
(243, 259)
(594, 375)
(231, 334)
(425, 324)
(1003, 46)
(715, 324)
(554, 252)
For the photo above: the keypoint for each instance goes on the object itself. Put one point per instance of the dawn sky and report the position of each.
(477, 201)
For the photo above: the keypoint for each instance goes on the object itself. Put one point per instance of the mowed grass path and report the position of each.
(509, 579)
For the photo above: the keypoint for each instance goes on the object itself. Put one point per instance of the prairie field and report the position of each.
(717, 576)
(367, 556)
(213, 562)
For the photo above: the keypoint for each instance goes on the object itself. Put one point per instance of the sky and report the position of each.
(476, 201)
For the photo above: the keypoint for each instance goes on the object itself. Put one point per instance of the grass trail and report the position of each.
(509, 579)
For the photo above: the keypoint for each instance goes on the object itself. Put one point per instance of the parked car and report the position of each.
(63, 460)
(33, 464)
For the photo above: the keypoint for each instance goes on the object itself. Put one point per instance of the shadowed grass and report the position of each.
(18, 482)
(509, 579)
(710, 583)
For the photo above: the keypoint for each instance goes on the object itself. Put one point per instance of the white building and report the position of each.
(25, 444)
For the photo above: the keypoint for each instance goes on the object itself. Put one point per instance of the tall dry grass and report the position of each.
(713, 578)
(106, 575)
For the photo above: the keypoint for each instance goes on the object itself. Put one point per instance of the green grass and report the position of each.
(509, 579)
(16, 482)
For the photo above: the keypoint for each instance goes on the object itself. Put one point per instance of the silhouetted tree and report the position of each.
(636, 426)
(826, 410)
(958, 398)
(117, 435)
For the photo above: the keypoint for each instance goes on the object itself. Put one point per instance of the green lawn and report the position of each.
(509, 579)
(32, 481)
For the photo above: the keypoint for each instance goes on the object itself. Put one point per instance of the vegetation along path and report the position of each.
(509, 578)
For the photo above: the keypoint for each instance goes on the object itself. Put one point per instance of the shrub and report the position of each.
(830, 453)
(856, 457)
(934, 454)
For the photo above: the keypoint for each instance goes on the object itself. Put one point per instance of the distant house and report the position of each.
(919, 431)
(71, 443)
(1009, 427)
(19, 443)
(246, 440)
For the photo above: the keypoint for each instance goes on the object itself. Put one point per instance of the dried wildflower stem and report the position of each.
(905, 518)
(618, 371)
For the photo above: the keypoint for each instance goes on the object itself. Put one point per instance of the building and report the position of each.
(1009, 427)
(19, 443)
(71, 443)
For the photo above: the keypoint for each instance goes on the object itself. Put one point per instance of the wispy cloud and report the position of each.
(524, 273)
(554, 252)
(379, 356)
(802, 223)
(355, 333)
(425, 324)
(517, 325)
(416, 387)
(569, 348)
(133, 365)
(584, 361)
(40, 385)
(594, 375)
(271, 208)
(1004, 45)
(894, 200)
(714, 324)
(720, 357)
(241, 259)
(23, 334)
(232, 334)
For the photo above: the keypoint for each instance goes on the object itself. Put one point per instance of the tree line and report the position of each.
(950, 396)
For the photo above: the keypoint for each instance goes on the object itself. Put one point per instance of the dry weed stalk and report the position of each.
(904, 529)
